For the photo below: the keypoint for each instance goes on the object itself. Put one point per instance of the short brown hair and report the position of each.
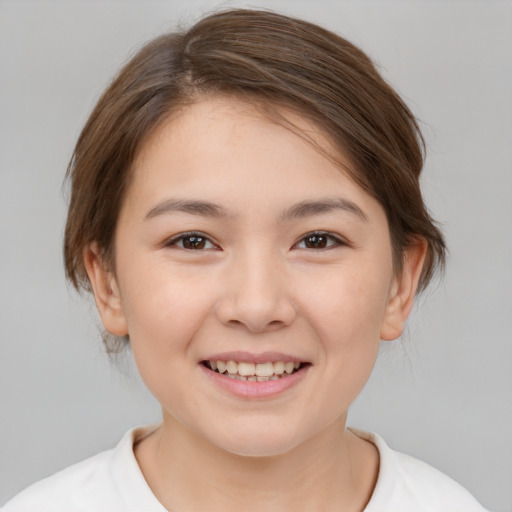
(267, 58)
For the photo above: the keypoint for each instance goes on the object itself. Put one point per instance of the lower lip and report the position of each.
(246, 389)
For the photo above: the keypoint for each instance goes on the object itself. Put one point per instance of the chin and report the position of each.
(258, 442)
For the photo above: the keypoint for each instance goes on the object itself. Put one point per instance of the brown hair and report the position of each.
(266, 58)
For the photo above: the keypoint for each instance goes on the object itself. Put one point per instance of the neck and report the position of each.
(334, 470)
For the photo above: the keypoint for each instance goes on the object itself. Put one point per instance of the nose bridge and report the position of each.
(256, 292)
(259, 276)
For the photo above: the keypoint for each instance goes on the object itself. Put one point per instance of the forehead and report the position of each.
(233, 151)
(218, 123)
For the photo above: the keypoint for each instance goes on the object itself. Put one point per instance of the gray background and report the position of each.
(443, 394)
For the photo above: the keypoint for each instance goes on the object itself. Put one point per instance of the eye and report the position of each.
(318, 240)
(191, 242)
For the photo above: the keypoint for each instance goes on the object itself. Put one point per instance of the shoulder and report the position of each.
(405, 483)
(110, 480)
(65, 489)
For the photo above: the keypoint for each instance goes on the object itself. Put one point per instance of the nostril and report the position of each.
(257, 308)
(253, 325)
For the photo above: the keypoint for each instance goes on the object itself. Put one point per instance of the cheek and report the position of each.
(346, 305)
(164, 309)
(163, 318)
(346, 310)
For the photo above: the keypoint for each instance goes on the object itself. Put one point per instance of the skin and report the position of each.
(256, 284)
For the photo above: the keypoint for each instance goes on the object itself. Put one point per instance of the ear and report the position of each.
(403, 291)
(106, 292)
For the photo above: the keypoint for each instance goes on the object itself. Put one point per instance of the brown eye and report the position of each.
(192, 242)
(318, 241)
(315, 242)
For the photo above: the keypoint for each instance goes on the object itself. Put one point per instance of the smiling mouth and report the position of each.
(254, 372)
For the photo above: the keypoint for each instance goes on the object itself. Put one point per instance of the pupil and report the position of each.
(317, 241)
(194, 242)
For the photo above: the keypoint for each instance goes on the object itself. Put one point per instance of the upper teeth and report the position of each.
(254, 369)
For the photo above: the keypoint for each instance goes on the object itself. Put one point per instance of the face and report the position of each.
(254, 279)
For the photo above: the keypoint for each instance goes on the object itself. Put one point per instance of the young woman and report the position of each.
(246, 210)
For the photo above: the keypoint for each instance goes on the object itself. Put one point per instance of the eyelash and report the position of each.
(335, 240)
(173, 242)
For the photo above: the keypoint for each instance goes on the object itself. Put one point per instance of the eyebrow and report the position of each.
(299, 210)
(310, 208)
(202, 208)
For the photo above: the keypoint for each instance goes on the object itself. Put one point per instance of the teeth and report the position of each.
(247, 369)
(264, 369)
(279, 368)
(260, 372)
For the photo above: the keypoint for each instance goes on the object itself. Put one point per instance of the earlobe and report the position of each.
(106, 292)
(403, 292)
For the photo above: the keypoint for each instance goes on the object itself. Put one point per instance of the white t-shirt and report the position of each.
(113, 482)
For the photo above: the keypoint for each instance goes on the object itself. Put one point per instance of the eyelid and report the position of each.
(339, 241)
(171, 241)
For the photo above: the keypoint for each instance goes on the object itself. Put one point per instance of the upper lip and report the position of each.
(250, 357)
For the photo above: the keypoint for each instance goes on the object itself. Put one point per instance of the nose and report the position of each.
(255, 295)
